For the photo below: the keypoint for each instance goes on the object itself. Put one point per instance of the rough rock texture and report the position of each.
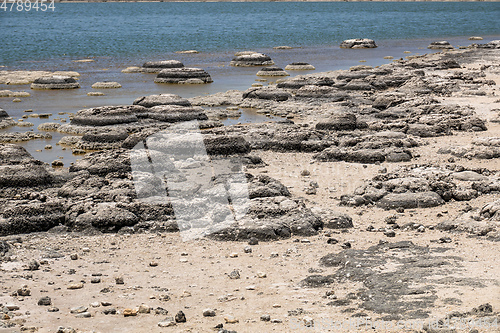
(55, 82)
(251, 59)
(480, 148)
(420, 186)
(183, 76)
(364, 43)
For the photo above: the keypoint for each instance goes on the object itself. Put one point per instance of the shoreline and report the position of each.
(379, 198)
(200, 1)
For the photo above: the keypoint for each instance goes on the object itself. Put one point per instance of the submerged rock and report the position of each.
(55, 82)
(183, 76)
(251, 59)
(358, 43)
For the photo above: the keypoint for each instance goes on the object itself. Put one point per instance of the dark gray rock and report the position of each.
(45, 301)
(410, 200)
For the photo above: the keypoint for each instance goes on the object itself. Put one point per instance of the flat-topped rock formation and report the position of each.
(162, 99)
(157, 66)
(249, 59)
(55, 82)
(106, 85)
(272, 71)
(183, 76)
(359, 43)
(299, 66)
(442, 45)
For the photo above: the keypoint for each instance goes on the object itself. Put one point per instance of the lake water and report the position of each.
(118, 35)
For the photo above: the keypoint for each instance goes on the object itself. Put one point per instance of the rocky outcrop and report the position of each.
(358, 43)
(423, 186)
(480, 148)
(55, 82)
(183, 76)
(251, 59)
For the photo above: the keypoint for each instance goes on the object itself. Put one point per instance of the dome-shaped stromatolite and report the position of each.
(247, 59)
(3, 114)
(272, 71)
(162, 99)
(358, 43)
(157, 66)
(107, 115)
(183, 76)
(299, 66)
(99, 140)
(442, 45)
(55, 82)
(174, 113)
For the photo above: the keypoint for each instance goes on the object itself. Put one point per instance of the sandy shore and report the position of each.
(302, 283)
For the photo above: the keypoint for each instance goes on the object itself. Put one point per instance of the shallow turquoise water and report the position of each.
(118, 35)
(149, 29)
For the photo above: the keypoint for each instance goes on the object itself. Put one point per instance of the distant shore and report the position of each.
(80, 1)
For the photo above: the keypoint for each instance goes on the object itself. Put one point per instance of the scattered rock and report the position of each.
(364, 43)
(55, 82)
